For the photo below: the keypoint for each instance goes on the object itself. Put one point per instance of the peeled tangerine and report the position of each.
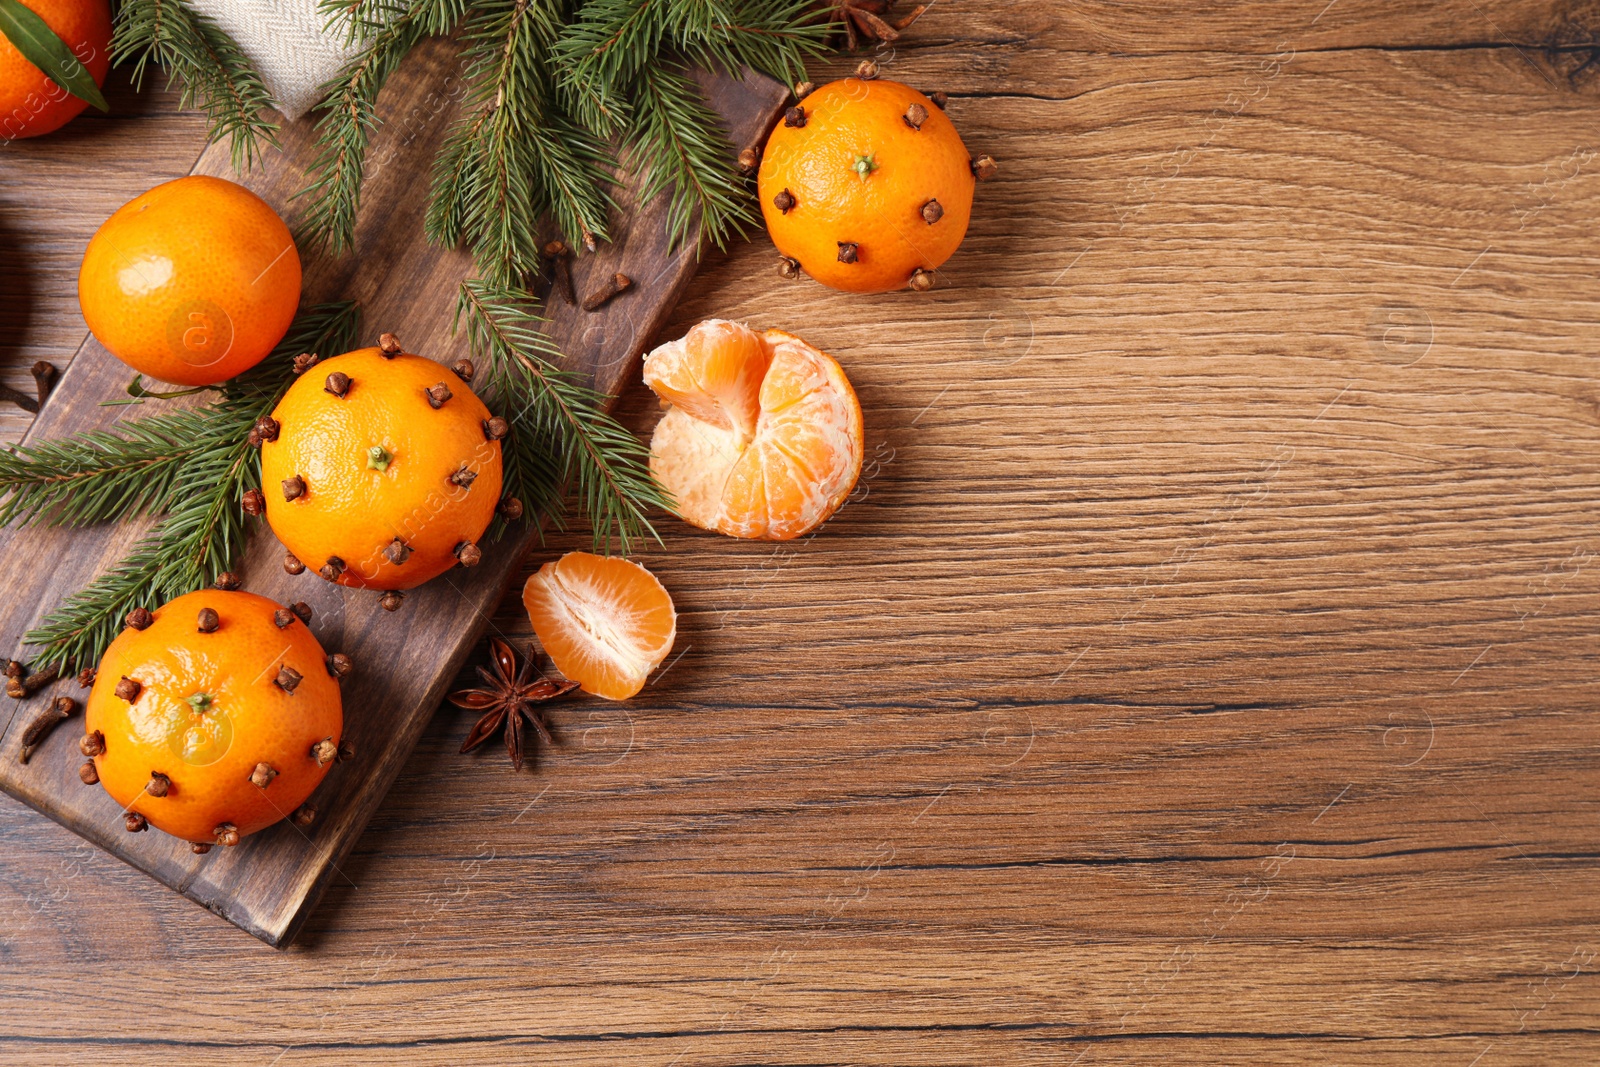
(605, 622)
(213, 717)
(763, 438)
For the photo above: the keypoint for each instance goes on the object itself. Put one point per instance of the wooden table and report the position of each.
(1205, 670)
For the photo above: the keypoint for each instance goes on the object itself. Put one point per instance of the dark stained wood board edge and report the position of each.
(269, 884)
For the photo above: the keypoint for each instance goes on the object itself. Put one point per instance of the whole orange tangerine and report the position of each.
(30, 102)
(213, 717)
(866, 186)
(382, 471)
(605, 622)
(764, 436)
(192, 282)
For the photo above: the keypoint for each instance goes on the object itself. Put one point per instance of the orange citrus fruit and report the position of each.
(763, 438)
(866, 186)
(606, 623)
(214, 716)
(30, 103)
(192, 282)
(381, 471)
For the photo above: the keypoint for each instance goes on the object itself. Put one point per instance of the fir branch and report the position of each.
(204, 527)
(562, 437)
(680, 146)
(100, 475)
(214, 71)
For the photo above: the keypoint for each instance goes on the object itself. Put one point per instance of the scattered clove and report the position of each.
(510, 508)
(391, 600)
(199, 848)
(921, 280)
(301, 609)
(44, 379)
(340, 665)
(89, 774)
(347, 751)
(254, 502)
(560, 257)
(266, 428)
(984, 168)
(304, 816)
(788, 268)
(940, 99)
(86, 677)
(20, 685)
(59, 711)
(802, 90)
(619, 283)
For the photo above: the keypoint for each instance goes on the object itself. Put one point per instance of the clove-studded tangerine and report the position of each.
(385, 471)
(866, 186)
(212, 732)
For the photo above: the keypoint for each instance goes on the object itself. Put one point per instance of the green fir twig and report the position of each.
(200, 476)
(214, 71)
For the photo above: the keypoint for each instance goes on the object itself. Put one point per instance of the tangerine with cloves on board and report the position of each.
(382, 469)
(193, 282)
(764, 436)
(866, 186)
(213, 717)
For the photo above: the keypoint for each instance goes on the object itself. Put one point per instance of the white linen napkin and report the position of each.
(286, 42)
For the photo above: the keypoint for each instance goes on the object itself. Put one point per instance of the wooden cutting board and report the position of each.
(269, 883)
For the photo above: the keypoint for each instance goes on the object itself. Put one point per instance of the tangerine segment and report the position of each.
(192, 282)
(209, 709)
(30, 103)
(605, 622)
(848, 193)
(380, 464)
(786, 477)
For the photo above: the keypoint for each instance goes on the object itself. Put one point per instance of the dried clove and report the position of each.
(619, 283)
(226, 834)
(208, 621)
(932, 212)
(389, 345)
(340, 665)
(199, 848)
(324, 751)
(496, 428)
(915, 116)
(263, 775)
(92, 744)
(127, 689)
(89, 774)
(44, 379)
(921, 280)
(463, 477)
(229, 581)
(294, 487)
(254, 502)
(749, 161)
(59, 711)
(159, 784)
(135, 823)
(86, 677)
(332, 569)
(984, 168)
(338, 384)
(391, 600)
(20, 685)
(510, 508)
(940, 99)
(468, 554)
(464, 369)
(305, 361)
(866, 70)
(301, 609)
(788, 268)
(292, 564)
(304, 816)
(784, 201)
(288, 679)
(282, 617)
(347, 751)
(560, 257)
(139, 618)
(795, 117)
(438, 395)
(849, 252)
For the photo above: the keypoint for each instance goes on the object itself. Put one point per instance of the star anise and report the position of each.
(865, 19)
(512, 696)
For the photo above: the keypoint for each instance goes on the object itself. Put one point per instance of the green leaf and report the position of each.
(40, 46)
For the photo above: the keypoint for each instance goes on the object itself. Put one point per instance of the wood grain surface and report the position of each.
(406, 661)
(1205, 670)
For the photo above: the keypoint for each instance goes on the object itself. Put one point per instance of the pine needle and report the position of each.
(215, 72)
(562, 438)
(204, 527)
